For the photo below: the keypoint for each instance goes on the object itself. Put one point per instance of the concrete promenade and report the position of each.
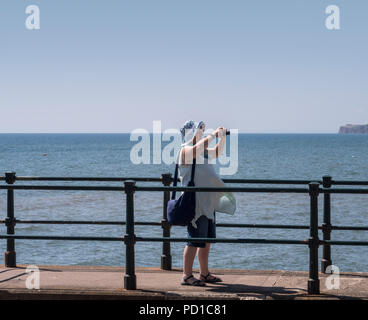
(91, 282)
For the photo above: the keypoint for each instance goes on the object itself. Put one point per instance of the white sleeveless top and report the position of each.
(205, 176)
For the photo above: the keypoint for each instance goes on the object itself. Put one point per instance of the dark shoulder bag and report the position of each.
(181, 212)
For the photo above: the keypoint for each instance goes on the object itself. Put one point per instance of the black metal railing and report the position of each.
(130, 238)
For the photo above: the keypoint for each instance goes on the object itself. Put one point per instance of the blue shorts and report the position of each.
(206, 228)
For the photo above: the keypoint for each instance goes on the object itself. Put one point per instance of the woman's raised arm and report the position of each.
(219, 148)
(190, 152)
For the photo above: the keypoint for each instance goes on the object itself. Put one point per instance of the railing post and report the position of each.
(326, 226)
(166, 248)
(10, 255)
(313, 281)
(130, 282)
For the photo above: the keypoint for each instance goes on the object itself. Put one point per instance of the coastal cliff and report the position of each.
(354, 128)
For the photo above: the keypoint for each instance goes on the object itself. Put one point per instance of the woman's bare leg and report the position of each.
(188, 259)
(203, 254)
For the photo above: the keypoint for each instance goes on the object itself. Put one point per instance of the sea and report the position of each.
(260, 156)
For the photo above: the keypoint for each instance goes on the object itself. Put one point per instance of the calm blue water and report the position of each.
(262, 156)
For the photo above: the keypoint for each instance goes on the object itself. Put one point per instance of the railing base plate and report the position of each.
(130, 282)
(10, 259)
(313, 286)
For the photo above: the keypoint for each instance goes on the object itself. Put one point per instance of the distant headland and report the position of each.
(354, 128)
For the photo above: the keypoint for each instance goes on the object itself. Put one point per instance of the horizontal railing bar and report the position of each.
(159, 179)
(349, 182)
(163, 239)
(138, 188)
(225, 189)
(76, 188)
(139, 223)
(118, 179)
(343, 190)
(221, 240)
(283, 226)
(61, 238)
(270, 181)
(152, 223)
(344, 243)
(363, 228)
(261, 226)
(248, 189)
(144, 223)
(190, 189)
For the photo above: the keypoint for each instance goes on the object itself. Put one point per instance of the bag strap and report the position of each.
(193, 171)
(173, 194)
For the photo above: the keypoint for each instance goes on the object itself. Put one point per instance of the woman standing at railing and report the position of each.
(207, 203)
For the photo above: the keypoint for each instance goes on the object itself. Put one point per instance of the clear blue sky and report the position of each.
(116, 65)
